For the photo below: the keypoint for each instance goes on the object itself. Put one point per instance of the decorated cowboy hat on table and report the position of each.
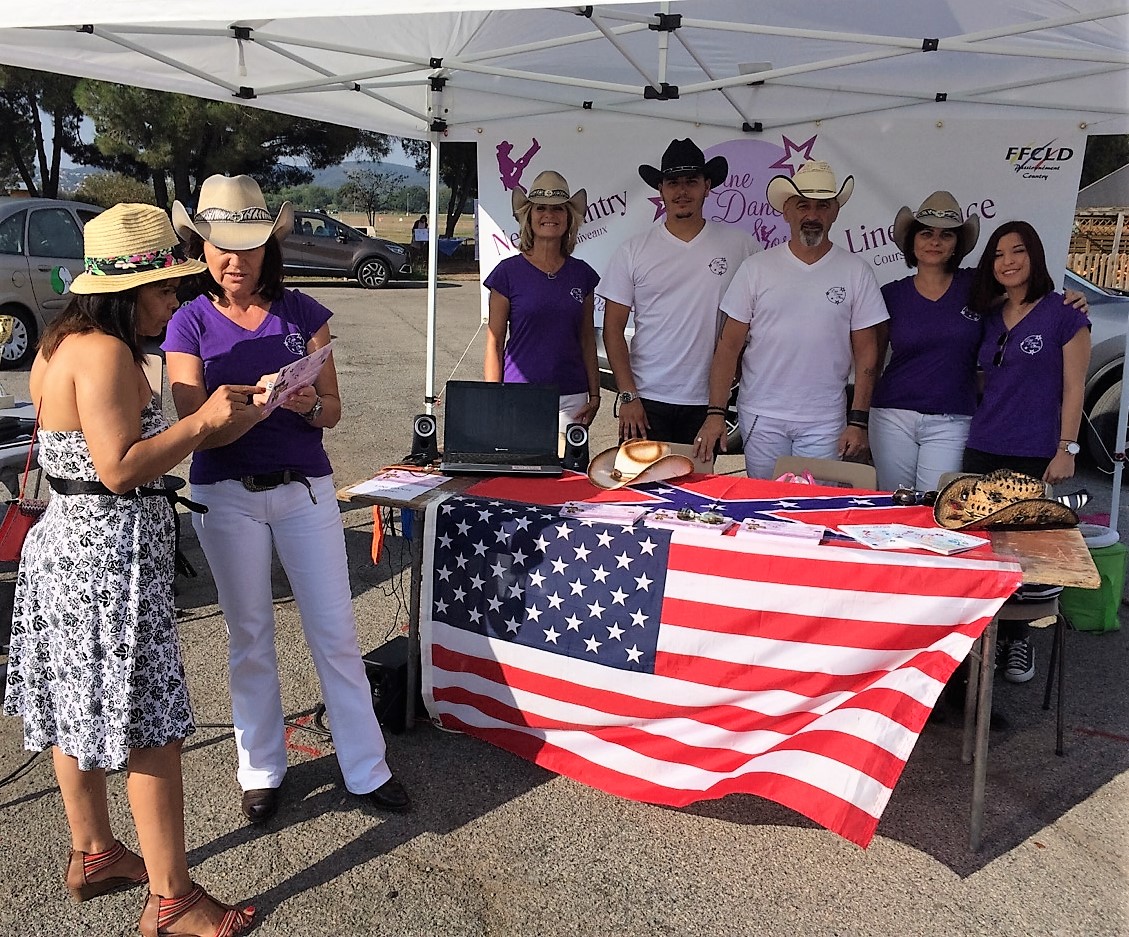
(685, 158)
(1000, 500)
(636, 462)
(815, 179)
(549, 188)
(940, 210)
(233, 215)
(130, 245)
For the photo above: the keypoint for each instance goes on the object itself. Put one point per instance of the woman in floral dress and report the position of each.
(95, 666)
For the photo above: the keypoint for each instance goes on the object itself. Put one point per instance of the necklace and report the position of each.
(549, 274)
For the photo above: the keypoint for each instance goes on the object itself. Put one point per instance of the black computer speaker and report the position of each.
(425, 447)
(576, 447)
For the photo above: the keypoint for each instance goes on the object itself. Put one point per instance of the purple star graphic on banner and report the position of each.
(791, 151)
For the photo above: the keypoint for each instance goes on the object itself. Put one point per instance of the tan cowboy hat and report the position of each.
(1000, 500)
(814, 179)
(635, 462)
(549, 188)
(940, 210)
(233, 215)
(683, 158)
(130, 245)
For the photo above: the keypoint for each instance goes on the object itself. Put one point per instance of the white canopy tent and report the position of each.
(441, 69)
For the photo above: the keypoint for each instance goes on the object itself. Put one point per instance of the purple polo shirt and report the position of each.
(933, 347)
(1021, 409)
(543, 346)
(233, 355)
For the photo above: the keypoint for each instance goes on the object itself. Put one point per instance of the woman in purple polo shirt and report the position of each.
(272, 487)
(1034, 356)
(924, 400)
(543, 298)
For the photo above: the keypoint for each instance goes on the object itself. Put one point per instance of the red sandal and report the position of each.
(84, 864)
(160, 912)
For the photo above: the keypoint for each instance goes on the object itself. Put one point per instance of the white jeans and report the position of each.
(916, 449)
(767, 438)
(237, 534)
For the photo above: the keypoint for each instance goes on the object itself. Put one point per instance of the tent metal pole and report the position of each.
(432, 272)
(1119, 447)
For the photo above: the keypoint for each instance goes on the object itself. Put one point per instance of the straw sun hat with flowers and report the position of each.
(130, 245)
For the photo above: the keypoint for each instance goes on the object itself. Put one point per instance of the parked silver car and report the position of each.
(40, 253)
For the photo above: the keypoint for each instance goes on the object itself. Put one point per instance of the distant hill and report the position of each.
(335, 176)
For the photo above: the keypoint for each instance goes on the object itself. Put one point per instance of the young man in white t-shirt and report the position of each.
(674, 276)
(799, 316)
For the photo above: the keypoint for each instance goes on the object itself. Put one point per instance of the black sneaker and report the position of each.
(1019, 665)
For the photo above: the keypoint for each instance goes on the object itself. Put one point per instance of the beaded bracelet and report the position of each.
(715, 411)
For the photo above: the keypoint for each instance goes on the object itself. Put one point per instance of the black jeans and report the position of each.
(673, 422)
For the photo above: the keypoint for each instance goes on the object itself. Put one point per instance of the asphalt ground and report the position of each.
(497, 846)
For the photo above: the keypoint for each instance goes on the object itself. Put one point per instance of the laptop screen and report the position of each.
(488, 417)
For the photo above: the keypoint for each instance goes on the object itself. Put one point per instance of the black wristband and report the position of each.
(858, 425)
(858, 417)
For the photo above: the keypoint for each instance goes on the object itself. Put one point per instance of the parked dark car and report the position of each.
(321, 246)
(40, 253)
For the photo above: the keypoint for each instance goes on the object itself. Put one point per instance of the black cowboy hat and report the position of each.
(682, 158)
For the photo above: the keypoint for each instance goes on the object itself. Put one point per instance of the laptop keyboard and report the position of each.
(499, 458)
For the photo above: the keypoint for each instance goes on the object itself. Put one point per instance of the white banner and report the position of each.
(1000, 170)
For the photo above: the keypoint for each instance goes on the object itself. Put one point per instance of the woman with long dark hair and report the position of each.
(95, 668)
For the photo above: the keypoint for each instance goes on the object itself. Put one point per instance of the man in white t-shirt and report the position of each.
(674, 276)
(802, 313)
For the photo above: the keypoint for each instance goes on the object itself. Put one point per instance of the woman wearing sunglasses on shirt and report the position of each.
(1033, 357)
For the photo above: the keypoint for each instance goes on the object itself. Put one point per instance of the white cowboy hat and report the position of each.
(940, 210)
(549, 188)
(130, 245)
(635, 462)
(814, 179)
(233, 215)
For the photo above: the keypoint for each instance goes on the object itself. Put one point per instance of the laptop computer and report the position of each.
(500, 429)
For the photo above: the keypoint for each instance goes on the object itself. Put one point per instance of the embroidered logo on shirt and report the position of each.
(577, 293)
(1031, 345)
(837, 294)
(295, 344)
(970, 314)
(719, 265)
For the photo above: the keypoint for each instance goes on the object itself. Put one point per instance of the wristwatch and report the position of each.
(1070, 447)
(314, 411)
(627, 397)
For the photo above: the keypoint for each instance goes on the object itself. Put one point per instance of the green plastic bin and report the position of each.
(1096, 609)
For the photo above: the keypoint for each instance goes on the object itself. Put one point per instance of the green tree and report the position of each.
(159, 137)
(109, 188)
(1104, 154)
(369, 190)
(458, 168)
(309, 196)
(28, 97)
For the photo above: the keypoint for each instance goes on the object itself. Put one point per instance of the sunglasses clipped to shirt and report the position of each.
(1001, 344)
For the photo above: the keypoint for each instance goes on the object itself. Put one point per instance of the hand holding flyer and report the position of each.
(295, 376)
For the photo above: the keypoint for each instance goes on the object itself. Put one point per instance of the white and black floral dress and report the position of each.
(95, 664)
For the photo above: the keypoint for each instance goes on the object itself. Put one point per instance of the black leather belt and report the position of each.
(270, 480)
(78, 486)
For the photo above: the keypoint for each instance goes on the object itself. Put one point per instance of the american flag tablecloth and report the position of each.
(672, 667)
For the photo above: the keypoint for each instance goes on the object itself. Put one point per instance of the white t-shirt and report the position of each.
(675, 287)
(798, 357)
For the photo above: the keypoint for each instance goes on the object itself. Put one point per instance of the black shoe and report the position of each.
(389, 796)
(261, 804)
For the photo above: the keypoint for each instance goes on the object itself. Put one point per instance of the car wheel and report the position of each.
(1101, 428)
(372, 273)
(20, 348)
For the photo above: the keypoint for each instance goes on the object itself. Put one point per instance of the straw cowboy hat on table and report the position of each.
(233, 215)
(1000, 500)
(130, 245)
(814, 179)
(636, 462)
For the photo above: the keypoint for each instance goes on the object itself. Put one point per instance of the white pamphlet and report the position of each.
(294, 376)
